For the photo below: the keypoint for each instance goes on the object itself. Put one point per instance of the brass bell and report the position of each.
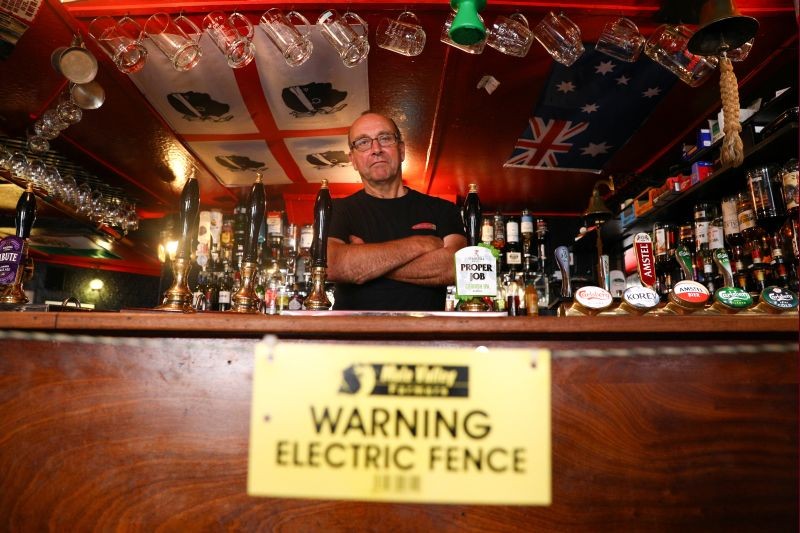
(722, 28)
(597, 212)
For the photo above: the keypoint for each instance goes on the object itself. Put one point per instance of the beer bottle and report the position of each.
(225, 287)
(471, 213)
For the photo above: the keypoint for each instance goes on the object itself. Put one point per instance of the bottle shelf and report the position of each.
(778, 147)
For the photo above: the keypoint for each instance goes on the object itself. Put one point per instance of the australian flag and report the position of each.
(588, 111)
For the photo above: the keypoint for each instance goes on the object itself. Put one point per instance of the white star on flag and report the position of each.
(590, 108)
(623, 80)
(651, 92)
(565, 87)
(595, 149)
(604, 67)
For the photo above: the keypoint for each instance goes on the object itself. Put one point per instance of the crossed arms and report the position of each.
(419, 259)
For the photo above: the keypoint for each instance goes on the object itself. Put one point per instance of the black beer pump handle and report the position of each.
(322, 222)
(26, 213)
(187, 219)
(255, 218)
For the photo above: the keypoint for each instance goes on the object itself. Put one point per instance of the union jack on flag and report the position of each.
(588, 111)
(547, 138)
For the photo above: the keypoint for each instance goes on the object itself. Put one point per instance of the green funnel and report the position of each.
(467, 27)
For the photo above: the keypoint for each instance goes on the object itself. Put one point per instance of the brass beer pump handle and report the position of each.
(318, 299)
(245, 300)
(178, 297)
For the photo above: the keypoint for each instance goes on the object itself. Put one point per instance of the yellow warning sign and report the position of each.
(400, 423)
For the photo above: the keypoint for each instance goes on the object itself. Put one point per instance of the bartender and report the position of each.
(390, 247)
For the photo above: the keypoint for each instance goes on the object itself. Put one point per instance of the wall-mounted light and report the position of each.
(96, 284)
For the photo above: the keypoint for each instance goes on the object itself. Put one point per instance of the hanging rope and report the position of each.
(732, 152)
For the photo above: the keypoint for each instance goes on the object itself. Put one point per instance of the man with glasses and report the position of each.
(390, 247)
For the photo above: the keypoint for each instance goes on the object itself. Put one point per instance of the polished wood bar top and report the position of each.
(458, 326)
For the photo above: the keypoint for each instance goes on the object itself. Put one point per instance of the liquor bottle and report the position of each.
(759, 272)
(527, 233)
(513, 251)
(741, 278)
(290, 247)
(295, 296)
(791, 229)
(791, 194)
(225, 289)
(780, 272)
(665, 237)
(730, 221)
(226, 235)
(747, 217)
(487, 231)
(542, 279)
(199, 293)
(499, 232)
(766, 191)
(471, 213)
(304, 255)
(212, 290)
(703, 214)
(686, 239)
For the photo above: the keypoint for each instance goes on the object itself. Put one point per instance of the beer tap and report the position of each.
(775, 300)
(15, 264)
(245, 299)
(587, 301)
(318, 300)
(687, 295)
(565, 298)
(728, 299)
(178, 297)
(639, 299)
(471, 212)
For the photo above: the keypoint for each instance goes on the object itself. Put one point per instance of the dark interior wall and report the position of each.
(120, 290)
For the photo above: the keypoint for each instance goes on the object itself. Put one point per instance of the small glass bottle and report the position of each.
(487, 231)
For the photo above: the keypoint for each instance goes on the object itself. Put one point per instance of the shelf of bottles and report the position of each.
(757, 225)
(525, 277)
(283, 279)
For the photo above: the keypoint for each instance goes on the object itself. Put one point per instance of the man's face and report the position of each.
(379, 164)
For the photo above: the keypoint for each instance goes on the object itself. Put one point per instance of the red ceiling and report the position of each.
(455, 134)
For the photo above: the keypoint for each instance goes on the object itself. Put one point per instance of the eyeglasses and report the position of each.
(362, 144)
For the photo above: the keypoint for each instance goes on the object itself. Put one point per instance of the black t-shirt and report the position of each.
(385, 219)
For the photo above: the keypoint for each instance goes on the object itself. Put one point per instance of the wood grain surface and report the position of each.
(402, 327)
(154, 437)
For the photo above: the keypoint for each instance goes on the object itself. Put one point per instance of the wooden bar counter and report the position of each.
(140, 421)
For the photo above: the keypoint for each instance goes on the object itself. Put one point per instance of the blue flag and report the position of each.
(588, 111)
